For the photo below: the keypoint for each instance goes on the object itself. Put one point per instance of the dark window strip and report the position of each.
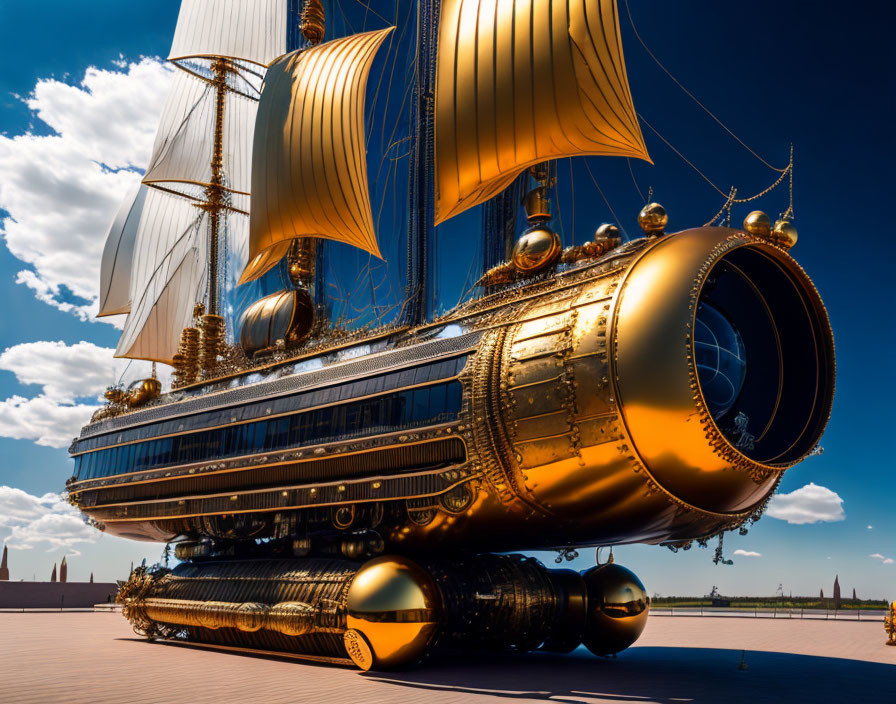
(411, 376)
(388, 413)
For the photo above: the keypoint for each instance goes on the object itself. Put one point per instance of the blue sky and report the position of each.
(773, 72)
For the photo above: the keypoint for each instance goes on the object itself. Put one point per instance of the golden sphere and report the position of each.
(608, 233)
(617, 608)
(152, 387)
(784, 233)
(536, 249)
(395, 605)
(653, 219)
(758, 223)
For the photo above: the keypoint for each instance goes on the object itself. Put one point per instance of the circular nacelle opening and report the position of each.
(763, 353)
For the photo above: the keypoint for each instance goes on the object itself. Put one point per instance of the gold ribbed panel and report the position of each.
(309, 167)
(520, 82)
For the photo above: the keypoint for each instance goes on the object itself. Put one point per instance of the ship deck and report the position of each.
(94, 657)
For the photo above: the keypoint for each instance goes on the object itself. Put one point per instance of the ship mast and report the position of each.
(421, 204)
(214, 192)
(193, 213)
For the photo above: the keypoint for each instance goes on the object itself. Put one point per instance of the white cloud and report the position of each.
(44, 420)
(28, 521)
(65, 373)
(884, 560)
(809, 504)
(62, 190)
(870, 527)
(747, 553)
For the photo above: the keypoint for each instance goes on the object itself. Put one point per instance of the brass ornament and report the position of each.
(653, 219)
(313, 21)
(784, 233)
(890, 624)
(606, 238)
(358, 649)
(608, 234)
(212, 342)
(536, 249)
(758, 224)
(503, 273)
(186, 361)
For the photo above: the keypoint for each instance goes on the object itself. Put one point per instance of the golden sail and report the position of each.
(309, 170)
(522, 82)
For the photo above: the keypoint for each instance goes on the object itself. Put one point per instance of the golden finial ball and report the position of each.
(653, 219)
(608, 233)
(537, 248)
(758, 224)
(784, 233)
(618, 605)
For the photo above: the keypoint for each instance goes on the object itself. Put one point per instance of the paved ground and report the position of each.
(94, 657)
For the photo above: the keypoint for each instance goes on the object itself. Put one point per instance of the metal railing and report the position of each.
(773, 612)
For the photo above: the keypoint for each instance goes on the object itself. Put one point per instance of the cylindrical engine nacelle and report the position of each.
(656, 397)
(390, 611)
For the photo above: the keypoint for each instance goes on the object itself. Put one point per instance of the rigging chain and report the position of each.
(785, 172)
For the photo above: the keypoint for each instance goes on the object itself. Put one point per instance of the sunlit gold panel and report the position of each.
(520, 82)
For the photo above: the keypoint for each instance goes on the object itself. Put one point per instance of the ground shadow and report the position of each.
(653, 674)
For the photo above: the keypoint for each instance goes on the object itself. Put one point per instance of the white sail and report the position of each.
(182, 154)
(247, 30)
(167, 278)
(115, 269)
(223, 47)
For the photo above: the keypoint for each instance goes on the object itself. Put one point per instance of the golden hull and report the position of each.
(584, 417)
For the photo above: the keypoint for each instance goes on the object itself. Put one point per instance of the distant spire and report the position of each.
(821, 594)
(4, 568)
(91, 577)
(63, 570)
(837, 591)
(53, 576)
(854, 597)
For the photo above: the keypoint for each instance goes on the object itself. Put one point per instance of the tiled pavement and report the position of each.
(94, 657)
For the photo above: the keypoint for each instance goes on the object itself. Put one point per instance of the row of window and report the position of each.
(388, 413)
(367, 386)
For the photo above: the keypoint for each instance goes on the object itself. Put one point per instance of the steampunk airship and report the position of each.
(355, 497)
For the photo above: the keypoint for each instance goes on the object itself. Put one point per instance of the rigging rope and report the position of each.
(692, 96)
(610, 207)
(634, 181)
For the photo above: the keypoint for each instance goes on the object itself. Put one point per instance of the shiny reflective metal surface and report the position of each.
(536, 249)
(395, 605)
(758, 223)
(618, 605)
